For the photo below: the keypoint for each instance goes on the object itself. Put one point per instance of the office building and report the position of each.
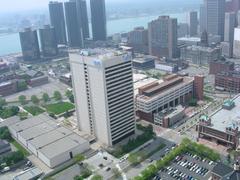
(236, 43)
(29, 44)
(204, 39)
(144, 62)
(232, 5)
(200, 55)
(104, 94)
(223, 126)
(169, 117)
(193, 23)
(189, 41)
(57, 20)
(228, 81)
(75, 36)
(162, 37)
(238, 18)
(183, 30)
(48, 41)
(158, 96)
(138, 39)
(203, 18)
(83, 17)
(215, 13)
(98, 14)
(230, 22)
(220, 65)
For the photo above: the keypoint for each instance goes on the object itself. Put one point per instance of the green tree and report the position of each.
(134, 158)
(21, 86)
(22, 99)
(70, 96)
(116, 173)
(2, 102)
(34, 99)
(5, 134)
(79, 158)
(97, 177)
(78, 178)
(57, 96)
(45, 97)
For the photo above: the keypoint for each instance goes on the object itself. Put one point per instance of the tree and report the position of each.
(57, 96)
(45, 97)
(78, 178)
(2, 102)
(116, 173)
(97, 177)
(5, 134)
(21, 86)
(22, 100)
(34, 99)
(70, 96)
(79, 158)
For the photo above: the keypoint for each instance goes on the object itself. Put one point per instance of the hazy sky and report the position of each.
(17, 5)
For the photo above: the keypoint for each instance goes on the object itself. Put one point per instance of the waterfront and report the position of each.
(10, 43)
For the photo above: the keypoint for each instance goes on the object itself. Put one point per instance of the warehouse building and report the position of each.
(52, 144)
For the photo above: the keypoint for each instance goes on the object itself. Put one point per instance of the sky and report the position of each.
(20, 5)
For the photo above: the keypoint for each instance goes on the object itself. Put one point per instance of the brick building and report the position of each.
(218, 66)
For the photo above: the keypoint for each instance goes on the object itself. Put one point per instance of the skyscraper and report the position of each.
(203, 18)
(99, 26)
(58, 21)
(193, 23)
(48, 41)
(230, 22)
(162, 36)
(138, 39)
(215, 11)
(29, 44)
(83, 17)
(232, 6)
(103, 90)
(75, 36)
(236, 45)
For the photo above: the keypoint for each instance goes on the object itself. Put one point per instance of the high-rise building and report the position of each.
(230, 22)
(83, 17)
(75, 36)
(232, 6)
(238, 18)
(193, 23)
(183, 30)
(215, 16)
(58, 21)
(236, 44)
(99, 26)
(162, 37)
(104, 93)
(203, 18)
(138, 39)
(29, 44)
(204, 39)
(48, 41)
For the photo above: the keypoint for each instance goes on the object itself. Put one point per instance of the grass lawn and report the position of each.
(34, 110)
(59, 108)
(20, 148)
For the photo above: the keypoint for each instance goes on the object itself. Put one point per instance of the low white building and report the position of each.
(52, 144)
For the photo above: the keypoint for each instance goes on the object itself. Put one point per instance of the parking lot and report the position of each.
(187, 167)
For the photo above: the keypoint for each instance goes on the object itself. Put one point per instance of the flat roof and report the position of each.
(227, 118)
(36, 131)
(9, 121)
(28, 123)
(49, 137)
(62, 145)
(138, 77)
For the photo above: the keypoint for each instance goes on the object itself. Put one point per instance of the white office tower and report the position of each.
(236, 44)
(103, 88)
